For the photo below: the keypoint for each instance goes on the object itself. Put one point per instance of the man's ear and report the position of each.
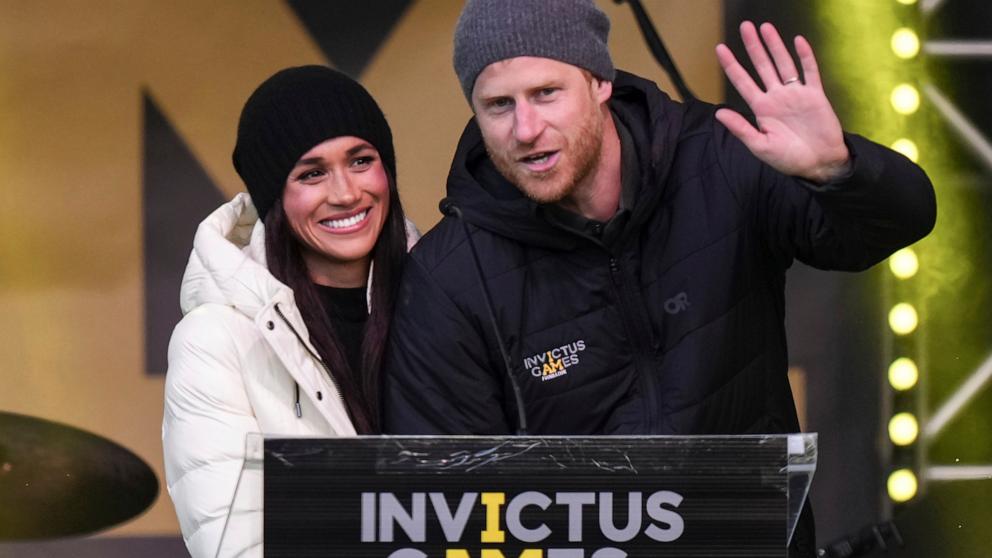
(602, 89)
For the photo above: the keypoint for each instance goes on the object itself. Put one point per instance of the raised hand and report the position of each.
(798, 131)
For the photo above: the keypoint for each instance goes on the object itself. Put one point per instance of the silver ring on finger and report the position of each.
(791, 80)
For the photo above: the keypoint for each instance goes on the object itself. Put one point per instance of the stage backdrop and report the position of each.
(117, 120)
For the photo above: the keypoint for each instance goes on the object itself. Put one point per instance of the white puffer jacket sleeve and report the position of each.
(231, 373)
(207, 416)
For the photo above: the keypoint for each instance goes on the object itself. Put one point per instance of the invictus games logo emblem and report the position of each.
(554, 363)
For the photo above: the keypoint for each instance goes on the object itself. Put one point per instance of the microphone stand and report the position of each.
(449, 208)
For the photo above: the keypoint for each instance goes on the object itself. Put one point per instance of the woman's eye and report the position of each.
(310, 175)
(363, 161)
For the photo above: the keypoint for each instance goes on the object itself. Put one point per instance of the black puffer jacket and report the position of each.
(678, 330)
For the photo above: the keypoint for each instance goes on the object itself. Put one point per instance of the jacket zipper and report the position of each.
(337, 388)
(638, 328)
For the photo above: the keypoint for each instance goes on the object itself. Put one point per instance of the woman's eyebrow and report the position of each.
(309, 161)
(358, 148)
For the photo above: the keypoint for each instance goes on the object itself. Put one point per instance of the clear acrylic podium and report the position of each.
(519, 497)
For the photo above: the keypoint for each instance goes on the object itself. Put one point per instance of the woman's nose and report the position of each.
(342, 190)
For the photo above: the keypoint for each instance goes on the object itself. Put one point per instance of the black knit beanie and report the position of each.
(290, 113)
(570, 31)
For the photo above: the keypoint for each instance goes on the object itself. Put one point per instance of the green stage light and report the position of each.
(903, 429)
(902, 485)
(908, 148)
(904, 263)
(903, 319)
(905, 43)
(905, 99)
(903, 374)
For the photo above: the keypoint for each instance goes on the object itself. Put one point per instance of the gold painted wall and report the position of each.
(71, 78)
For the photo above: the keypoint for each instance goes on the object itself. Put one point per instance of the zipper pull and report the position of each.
(299, 408)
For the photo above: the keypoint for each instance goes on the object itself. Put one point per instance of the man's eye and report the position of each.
(547, 92)
(501, 103)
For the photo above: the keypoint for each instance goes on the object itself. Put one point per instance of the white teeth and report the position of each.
(538, 158)
(342, 223)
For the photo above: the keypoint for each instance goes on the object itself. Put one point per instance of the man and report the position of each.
(634, 248)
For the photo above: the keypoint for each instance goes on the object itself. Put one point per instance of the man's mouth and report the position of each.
(540, 161)
(346, 222)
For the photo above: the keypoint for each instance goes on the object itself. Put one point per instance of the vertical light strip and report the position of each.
(863, 64)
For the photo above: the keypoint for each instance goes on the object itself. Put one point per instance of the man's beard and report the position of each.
(578, 159)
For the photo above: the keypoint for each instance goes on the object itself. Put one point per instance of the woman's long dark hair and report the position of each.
(359, 388)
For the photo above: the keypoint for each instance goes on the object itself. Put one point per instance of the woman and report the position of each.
(285, 315)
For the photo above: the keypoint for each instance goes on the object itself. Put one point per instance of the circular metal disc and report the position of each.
(56, 480)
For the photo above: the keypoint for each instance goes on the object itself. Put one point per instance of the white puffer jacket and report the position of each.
(235, 360)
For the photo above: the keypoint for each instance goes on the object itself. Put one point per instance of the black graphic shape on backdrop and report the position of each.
(176, 195)
(349, 33)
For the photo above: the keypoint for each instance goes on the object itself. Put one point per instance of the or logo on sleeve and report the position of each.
(554, 363)
(677, 303)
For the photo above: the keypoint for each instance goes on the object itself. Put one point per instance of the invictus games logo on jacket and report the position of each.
(553, 363)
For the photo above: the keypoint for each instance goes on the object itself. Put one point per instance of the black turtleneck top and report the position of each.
(348, 311)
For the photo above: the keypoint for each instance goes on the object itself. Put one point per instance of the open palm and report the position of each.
(798, 131)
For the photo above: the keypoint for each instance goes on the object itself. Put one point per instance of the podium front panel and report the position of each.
(526, 497)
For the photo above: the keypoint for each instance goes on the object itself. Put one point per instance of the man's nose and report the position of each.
(527, 123)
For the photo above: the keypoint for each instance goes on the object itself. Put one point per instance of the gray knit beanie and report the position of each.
(570, 31)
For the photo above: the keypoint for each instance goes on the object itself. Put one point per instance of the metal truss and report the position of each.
(980, 146)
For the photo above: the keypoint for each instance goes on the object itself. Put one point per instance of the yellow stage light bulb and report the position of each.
(903, 374)
(902, 485)
(903, 429)
(906, 2)
(903, 318)
(905, 43)
(908, 148)
(904, 263)
(905, 99)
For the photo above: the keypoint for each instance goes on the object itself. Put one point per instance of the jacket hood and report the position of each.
(489, 201)
(227, 264)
